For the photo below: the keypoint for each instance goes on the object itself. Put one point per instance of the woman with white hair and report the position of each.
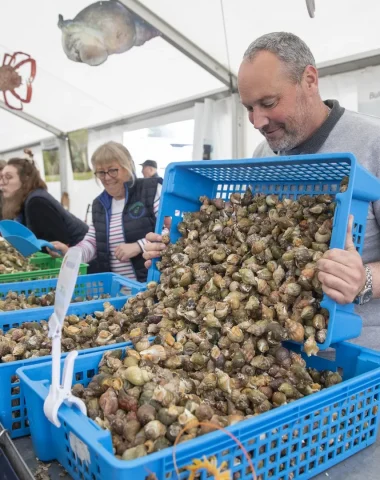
(121, 215)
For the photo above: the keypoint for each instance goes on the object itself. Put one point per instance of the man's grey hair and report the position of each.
(289, 48)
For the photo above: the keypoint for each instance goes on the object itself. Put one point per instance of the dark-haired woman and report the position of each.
(26, 199)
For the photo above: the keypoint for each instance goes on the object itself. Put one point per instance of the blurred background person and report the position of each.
(26, 199)
(121, 215)
(65, 201)
(149, 170)
(2, 165)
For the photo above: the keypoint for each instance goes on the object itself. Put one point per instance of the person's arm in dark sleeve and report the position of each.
(43, 220)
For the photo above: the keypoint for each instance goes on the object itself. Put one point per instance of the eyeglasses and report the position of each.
(112, 173)
(4, 179)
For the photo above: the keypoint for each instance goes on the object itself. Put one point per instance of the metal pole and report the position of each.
(183, 44)
(36, 121)
(237, 126)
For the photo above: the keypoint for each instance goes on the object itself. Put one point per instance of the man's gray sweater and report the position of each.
(347, 131)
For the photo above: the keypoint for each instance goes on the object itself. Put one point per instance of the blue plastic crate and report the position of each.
(301, 439)
(13, 414)
(288, 177)
(92, 285)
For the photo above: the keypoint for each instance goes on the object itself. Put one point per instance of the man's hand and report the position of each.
(59, 246)
(341, 272)
(153, 248)
(125, 251)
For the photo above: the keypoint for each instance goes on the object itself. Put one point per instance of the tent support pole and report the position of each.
(29, 118)
(184, 45)
(237, 126)
(65, 171)
(163, 110)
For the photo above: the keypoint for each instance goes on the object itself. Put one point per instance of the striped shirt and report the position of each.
(116, 238)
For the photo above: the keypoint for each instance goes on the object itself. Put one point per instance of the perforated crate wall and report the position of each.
(87, 287)
(13, 414)
(298, 440)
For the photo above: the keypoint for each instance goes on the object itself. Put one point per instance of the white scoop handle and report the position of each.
(64, 292)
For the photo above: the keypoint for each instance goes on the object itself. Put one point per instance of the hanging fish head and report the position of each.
(102, 29)
(81, 43)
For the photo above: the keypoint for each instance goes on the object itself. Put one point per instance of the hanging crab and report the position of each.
(16, 76)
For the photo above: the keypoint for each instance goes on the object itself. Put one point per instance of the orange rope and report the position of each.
(195, 423)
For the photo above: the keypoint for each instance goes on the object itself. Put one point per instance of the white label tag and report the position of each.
(79, 448)
(66, 282)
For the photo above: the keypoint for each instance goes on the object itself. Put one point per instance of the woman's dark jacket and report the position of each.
(48, 220)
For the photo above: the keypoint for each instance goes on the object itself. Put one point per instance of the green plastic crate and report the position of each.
(40, 254)
(48, 267)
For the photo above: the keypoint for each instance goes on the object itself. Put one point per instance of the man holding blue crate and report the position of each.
(278, 85)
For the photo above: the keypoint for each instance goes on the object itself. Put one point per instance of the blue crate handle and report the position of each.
(133, 285)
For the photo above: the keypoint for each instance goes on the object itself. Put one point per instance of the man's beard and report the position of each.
(290, 139)
(294, 131)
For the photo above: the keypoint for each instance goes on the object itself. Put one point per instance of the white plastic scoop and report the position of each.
(65, 288)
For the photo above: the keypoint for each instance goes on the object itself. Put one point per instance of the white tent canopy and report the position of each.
(69, 95)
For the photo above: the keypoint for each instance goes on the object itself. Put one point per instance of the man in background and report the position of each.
(149, 170)
(2, 165)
